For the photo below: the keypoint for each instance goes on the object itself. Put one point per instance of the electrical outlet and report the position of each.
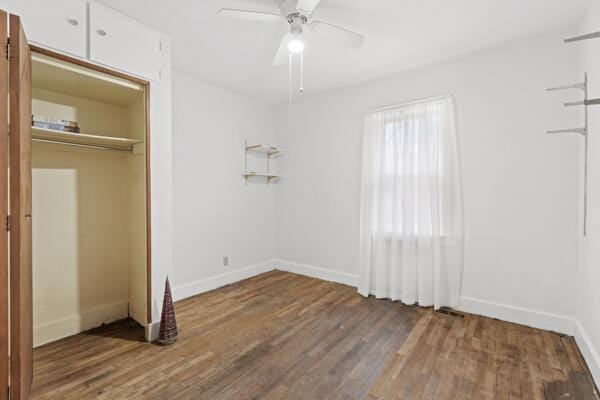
(225, 261)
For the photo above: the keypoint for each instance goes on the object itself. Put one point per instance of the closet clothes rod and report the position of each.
(87, 146)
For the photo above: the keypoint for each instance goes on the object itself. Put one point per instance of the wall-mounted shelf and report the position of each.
(264, 149)
(583, 37)
(261, 149)
(583, 131)
(262, 174)
(83, 140)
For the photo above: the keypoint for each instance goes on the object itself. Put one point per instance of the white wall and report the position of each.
(215, 214)
(161, 185)
(588, 310)
(520, 185)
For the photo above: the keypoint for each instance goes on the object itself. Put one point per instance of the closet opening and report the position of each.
(90, 197)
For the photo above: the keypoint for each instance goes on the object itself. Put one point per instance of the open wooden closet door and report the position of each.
(3, 210)
(21, 311)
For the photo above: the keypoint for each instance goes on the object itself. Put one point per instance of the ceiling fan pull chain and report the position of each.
(301, 72)
(290, 64)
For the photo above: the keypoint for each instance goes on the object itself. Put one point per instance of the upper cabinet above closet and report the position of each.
(91, 31)
(58, 24)
(122, 43)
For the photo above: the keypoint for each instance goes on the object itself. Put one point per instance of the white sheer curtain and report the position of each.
(411, 242)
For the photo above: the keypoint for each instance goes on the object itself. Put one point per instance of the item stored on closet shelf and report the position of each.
(56, 124)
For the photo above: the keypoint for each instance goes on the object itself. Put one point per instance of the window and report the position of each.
(413, 169)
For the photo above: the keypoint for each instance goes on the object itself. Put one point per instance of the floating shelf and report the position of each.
(264, 149)
(84, 140)
(262, 174)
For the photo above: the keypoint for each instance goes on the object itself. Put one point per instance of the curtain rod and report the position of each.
(408, 103)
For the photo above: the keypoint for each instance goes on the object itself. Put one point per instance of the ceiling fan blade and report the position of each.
(343, 36)
(249, 15)
(308, 6)
(282, 56)
(288, 7)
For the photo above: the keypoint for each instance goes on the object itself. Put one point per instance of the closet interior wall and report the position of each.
(89, 230)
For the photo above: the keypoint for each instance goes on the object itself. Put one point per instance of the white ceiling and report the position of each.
(237, 55)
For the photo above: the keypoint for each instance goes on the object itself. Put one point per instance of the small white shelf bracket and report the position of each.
(594, 35)
(583, 131)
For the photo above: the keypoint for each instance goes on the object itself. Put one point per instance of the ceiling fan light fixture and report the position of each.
(296, 45)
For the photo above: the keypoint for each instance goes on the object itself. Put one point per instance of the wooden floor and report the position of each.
(284, 336)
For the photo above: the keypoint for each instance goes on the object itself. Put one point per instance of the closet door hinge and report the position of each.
(8, 223)
(8, 51)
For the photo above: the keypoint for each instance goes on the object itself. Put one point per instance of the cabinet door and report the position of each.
(57, 24)
(3, 209)
(122, 43)
(21, 311)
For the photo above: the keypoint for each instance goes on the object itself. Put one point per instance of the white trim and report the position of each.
(590, 353)
(316, 272)
(214, 282)
(152, 331)
(55, 330)
(518, 315)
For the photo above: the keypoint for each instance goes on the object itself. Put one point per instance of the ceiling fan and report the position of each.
(298, 14)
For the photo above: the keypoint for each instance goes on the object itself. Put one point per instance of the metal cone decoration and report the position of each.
(168, 325)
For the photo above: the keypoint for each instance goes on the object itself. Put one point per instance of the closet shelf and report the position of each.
(64, 77)
(81, 139)
(264, 149)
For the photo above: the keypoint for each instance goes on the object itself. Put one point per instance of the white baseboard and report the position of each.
(214, 282)
(316, 272)
(589, 351)
(518, 315)
(152, 331)
(51, 331)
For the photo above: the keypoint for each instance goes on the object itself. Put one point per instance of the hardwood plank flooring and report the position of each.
(285, 336)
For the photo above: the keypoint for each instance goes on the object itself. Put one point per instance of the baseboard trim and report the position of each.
(215, 282)
(152, 331)
(590, 353)
(316, 272)
(55, 330)
(518, 315)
